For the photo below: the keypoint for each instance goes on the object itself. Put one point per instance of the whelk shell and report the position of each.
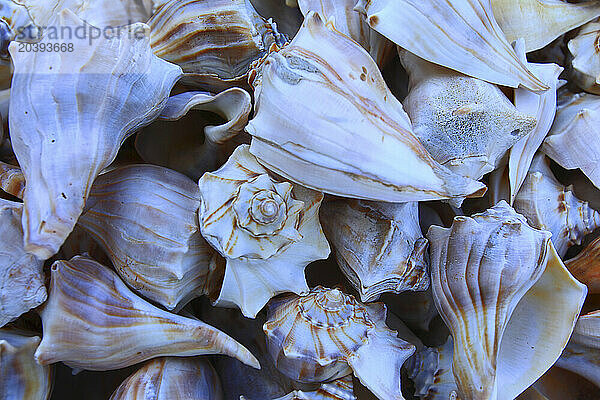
(73, 144)
(378, 246)
(268, 231)
(21, 277)
(586, 60)
(21, 378)
(466, 124)
(513, 270)
(340, 389)
(327, 335)
(458, 34)
(89, 306)
(358, 130)
(585, 267)
(548, 205)
(171, 378)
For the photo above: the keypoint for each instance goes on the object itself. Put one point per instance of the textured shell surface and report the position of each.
(585, 267)
(466, 124)
(540, 105)
(573, 141)
(353, 24)
(378, 246)
(514, 270)
(268, 231)
(458, 34)
(12, 180)
(539, 22)
(548, 205)
(21, 378)
(21, 277)
(214, 42)
(340, 389)
(89, 307)
(358, 129)
(328, 334)
(117, 85)
(586, 57)
(145, 218)
(172, 378)
(431, 371)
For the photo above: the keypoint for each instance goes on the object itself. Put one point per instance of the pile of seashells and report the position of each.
(299, 200)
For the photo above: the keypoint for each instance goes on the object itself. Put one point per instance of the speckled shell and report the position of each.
(89, 306)
(378, 246)
(548, 205)
(574, 141)
(585, 267)
(352, 145)
(172, 378)
(491, 277)
(431, 370)
(458, 34)
(328, 334)
(145, 218)
(21, 378)
(119, 86)
(21, 277)
(466, 124)
(213, 41)
(267, 230)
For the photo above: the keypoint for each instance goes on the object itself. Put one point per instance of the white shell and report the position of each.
(340, 389)
(268, 231)
(352, 145)
(548, 205)
(171, 378)
(145, 219)
(492, 276)
(458, 34)
(378, 246)
(352, 24)
(327, 335)
(539, 22)
(466, 124)
(543, 107)
(93, 321)
(214, 41)
(118, 86)
(574, 140)
(586, 59)
(21, 277)
(431, 370)
(21, 378)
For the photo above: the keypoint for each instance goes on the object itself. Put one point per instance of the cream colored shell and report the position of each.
(585, 49)
(119, 86)
(267, 230)
(358, 130)
(93, 321)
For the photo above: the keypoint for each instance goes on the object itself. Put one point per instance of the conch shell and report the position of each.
(586, 60)
(145, 218)
(574, 140)
(539, 22)
(378, 246)
(21, 378)
(585, 267)
(357, 132)
(214, 41)
(81, 105)
(328, 334)
(93, 321)
(171, 378)
(431, 371)
(493, 277)
(21, 277)
(466, 124)
(268, 231)
(548, 205)
(341, 14)
(458, 34)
